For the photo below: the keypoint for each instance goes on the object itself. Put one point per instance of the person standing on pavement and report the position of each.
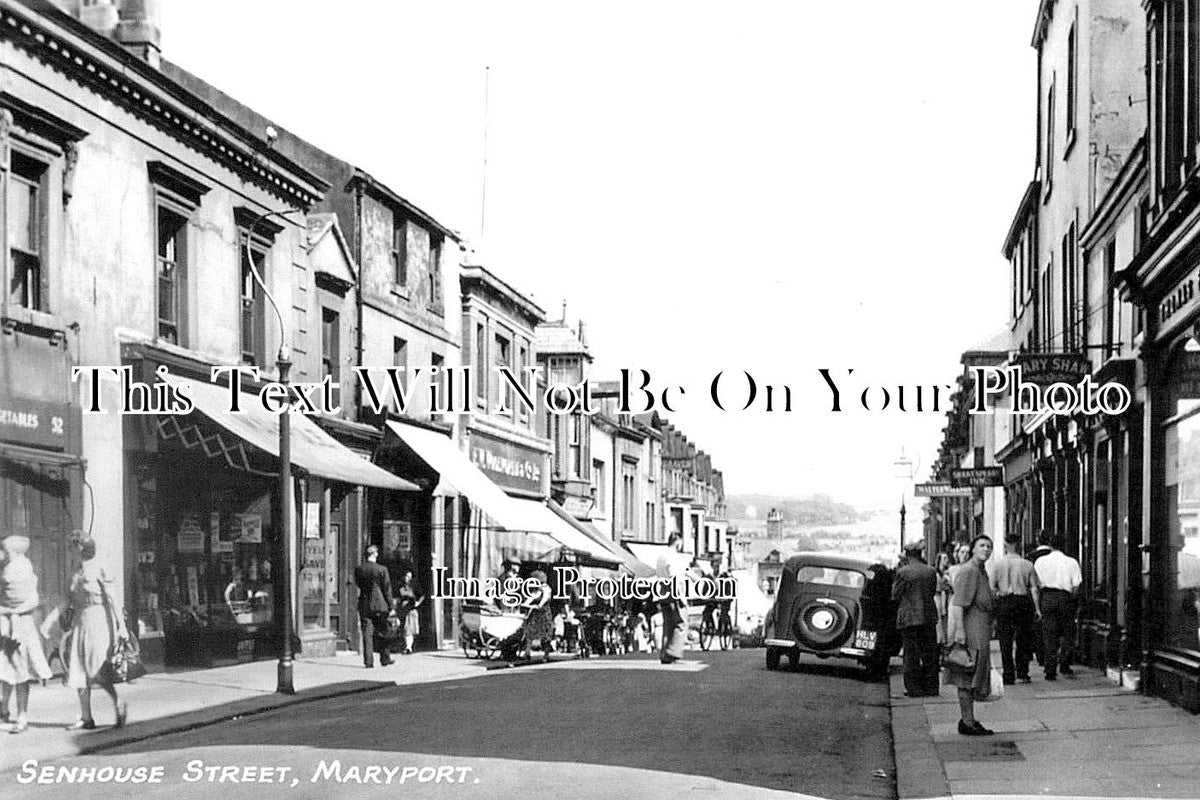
(22, 654)
(1016, 586)
(970, 624)
(916, 617)
(96, 626)
(374, 604)
(1061, 578)
(674, 625)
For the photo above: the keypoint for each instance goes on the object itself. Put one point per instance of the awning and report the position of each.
(539, 518)
(457, 473)
(48, 463)
(647, 552)
(312, 449)
(635, 567)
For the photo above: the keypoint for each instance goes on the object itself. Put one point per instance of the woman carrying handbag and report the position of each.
(970, 625)
(97, 627)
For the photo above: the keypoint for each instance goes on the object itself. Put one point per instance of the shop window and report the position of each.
(26, 210)
(1181, 567)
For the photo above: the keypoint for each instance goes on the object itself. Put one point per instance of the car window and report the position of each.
(830, 576)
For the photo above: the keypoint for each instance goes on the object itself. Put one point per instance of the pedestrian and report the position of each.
(1043, 547)
(913, 590)
(1018, 605)
(962, 554)
(539, 626)
(942, 598)
(374, 605)
(22, 654)
(1060, 577)
(970, 624)
(97, 624)
(408, 600)
(674, 625)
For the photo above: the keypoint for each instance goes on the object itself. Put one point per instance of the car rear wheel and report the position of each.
(773, 654)
(794, 660)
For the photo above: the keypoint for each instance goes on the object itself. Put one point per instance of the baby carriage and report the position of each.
(486, 630)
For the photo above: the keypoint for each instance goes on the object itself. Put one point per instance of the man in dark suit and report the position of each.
(374, 605)
(916, 616)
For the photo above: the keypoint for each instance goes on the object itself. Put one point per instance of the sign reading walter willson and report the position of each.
(941, 490)
(1050, 368)
(979, 476)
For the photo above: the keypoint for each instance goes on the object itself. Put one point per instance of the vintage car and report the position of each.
(833, 605)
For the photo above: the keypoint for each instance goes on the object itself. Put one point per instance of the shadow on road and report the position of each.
(821, 731)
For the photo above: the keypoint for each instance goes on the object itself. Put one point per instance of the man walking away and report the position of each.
(674, 626)
(1060, 578)
(1018, 604)
(374, 604)
(1043, 548)
(916, 616)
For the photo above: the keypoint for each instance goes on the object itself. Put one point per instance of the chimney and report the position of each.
(100, 16)
(138, 32)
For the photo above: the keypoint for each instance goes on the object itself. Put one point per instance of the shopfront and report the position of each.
(208, 567)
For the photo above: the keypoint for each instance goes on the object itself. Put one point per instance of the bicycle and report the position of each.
(720, 630)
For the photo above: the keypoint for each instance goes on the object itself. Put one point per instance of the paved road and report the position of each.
(721, 727)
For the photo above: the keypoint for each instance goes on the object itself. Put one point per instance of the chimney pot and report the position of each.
(138, 29)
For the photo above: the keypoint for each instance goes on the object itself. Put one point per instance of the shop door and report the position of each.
(36, 506)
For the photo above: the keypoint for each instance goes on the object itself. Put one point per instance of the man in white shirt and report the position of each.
(674, 626)
(1061, 578)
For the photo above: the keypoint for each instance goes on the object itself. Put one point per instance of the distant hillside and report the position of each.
(819, 509)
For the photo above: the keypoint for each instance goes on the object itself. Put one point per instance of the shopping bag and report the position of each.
(997, 685)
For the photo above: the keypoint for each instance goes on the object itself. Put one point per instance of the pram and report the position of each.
(485, 630)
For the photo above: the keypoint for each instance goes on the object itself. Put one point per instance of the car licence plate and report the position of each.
(865, 639)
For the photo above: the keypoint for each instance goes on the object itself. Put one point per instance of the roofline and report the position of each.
(176, 123)
(1044, 15)
(1017, 227)
(371, 183)
(478, 272)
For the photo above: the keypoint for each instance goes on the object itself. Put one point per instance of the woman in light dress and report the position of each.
(970, 624)
(95, 629)
(22, 654)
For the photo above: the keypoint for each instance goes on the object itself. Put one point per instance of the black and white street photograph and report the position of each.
(653, 399)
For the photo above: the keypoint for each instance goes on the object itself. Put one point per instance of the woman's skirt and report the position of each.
(978, 626)
(22, 654)
(539, 626)
(87, 647)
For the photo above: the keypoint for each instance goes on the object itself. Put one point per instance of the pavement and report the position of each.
(1078, 737)
(167, 702)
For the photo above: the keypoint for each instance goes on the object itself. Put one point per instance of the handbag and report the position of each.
(124, 662)
(958, 658)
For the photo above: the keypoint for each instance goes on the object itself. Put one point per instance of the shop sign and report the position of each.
(218, 539)
(37, 423)
(312, 520)
(979, 476)
(1049, 369)
(249, 528)
(941, 490)
(508, 464)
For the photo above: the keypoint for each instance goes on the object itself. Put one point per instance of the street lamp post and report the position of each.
(283, 681)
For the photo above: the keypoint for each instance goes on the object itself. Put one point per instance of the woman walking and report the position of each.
(970, 623)
(96, 627)
(539, 626)
(22, 655)
(408, 599)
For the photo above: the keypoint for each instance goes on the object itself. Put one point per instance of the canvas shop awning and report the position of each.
(312, 450)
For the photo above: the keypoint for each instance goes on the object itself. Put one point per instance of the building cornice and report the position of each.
(479, 275)
(1044, 15)
(104, 67)
(1129, 181)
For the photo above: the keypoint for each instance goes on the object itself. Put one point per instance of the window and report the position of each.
(481, 365)
(629, 501)
(598, 492)
(330, 336)
(1072, 305)
(253, 310)
(399, 250)
(435, 266)
(172, 269)
(1072, 88)
(436, 378)
(650, 521)
(523, 378)
(501, 357)
(1112, 322)
(1048, 337)
(400, 360)
(1049, 138)
(576, 445)
(26, 212)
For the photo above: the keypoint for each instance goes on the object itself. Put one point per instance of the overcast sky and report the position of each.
(774, 187)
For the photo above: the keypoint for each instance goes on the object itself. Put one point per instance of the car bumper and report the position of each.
(790, 644)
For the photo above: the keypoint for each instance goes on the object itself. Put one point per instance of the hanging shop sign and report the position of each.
(1046, 370)
(397, 537)
(190, 538)
(979, 476)
(941, 490)
(508, 464)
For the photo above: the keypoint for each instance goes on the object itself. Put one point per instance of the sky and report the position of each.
(768, 187)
